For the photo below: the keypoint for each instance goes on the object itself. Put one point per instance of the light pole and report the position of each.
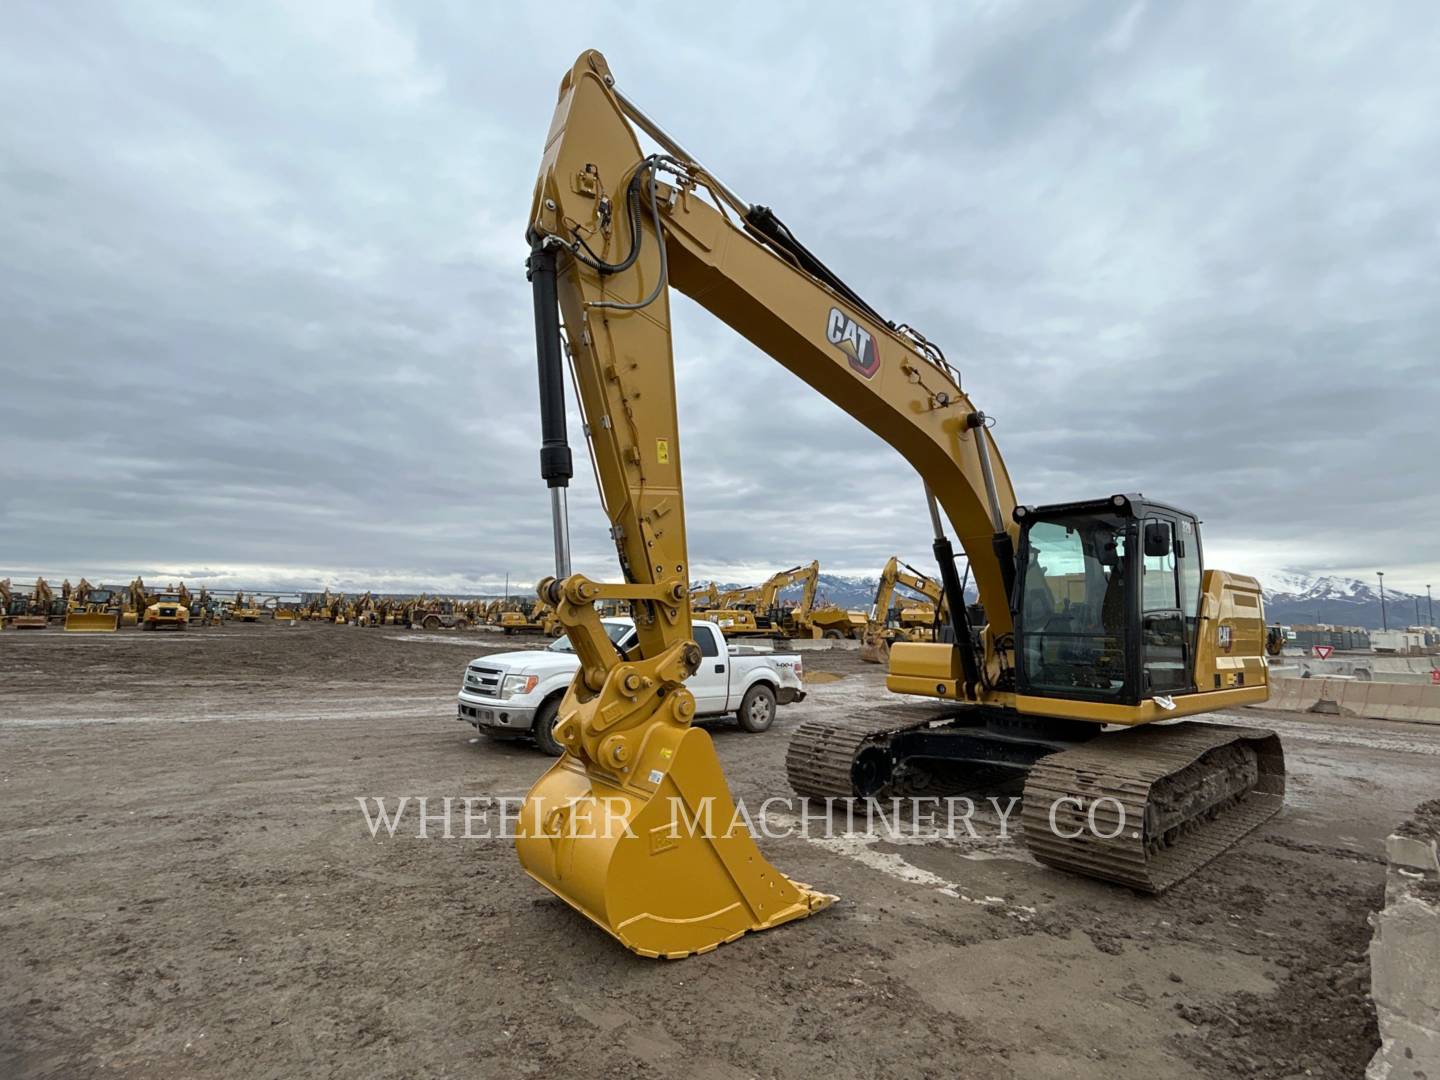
(1430, 605)
(1384, 625)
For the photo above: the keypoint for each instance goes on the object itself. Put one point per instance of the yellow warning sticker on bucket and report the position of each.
(662, 451)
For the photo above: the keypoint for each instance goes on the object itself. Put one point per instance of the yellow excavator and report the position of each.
(1097, 614)
(532, 617)
(807, 620)
(907, 622)
(704, 597)
(34, 612)
(755, 612)
(137, 599)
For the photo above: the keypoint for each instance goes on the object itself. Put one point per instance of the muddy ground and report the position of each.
(188, 889)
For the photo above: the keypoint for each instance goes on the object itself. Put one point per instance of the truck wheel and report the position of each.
(833, 635)
(432, 622)
(757, 708)
(544, 728)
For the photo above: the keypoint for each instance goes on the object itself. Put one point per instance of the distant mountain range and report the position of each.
(1289, 598)
(1297, 599)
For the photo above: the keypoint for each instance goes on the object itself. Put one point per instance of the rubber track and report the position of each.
(822, 752)
(1125, 766)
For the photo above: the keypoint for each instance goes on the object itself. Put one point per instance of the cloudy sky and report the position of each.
(264, 316)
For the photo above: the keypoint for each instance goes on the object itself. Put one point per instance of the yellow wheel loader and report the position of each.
(93, 610)
(243, 609)
(1096, 618)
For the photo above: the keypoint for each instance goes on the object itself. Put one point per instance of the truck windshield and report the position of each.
(614, 630)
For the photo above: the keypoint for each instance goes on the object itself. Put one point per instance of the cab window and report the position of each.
(1074, 604)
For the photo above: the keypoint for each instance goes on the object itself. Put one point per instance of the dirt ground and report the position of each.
(188, 889)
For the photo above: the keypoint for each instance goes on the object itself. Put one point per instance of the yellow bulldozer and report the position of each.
(286, 611)
(245, 609)
(90, 609)
(1063, 686)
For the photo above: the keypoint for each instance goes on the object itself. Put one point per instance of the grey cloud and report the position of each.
(260, 278)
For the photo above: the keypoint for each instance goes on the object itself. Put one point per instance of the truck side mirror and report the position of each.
(1157, 539)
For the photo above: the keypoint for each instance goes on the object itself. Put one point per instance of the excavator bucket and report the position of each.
(130, 618)
(658, 860)
(92, 622)
(874, 649)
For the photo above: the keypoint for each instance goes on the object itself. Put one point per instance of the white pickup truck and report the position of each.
(518, 693)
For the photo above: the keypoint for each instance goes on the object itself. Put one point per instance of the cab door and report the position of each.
(711, 682)
(1165, 638)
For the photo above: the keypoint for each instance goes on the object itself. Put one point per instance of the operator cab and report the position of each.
(1107, 600)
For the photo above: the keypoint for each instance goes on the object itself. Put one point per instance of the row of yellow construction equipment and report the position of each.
(757, 611)
(86, 608)
(752, 611)
(513, 615)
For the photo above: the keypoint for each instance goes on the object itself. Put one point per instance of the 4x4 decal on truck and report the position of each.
(854, 341)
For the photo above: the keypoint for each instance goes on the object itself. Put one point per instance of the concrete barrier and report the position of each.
(807, 645)
(1414, 702)
(1405, 961)
(1396, 669)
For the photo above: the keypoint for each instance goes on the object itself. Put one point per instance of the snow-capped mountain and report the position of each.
(1298, 598)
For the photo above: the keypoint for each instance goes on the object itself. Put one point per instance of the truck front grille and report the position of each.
(483, 680)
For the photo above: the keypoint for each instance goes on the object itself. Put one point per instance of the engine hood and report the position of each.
(540, 662)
